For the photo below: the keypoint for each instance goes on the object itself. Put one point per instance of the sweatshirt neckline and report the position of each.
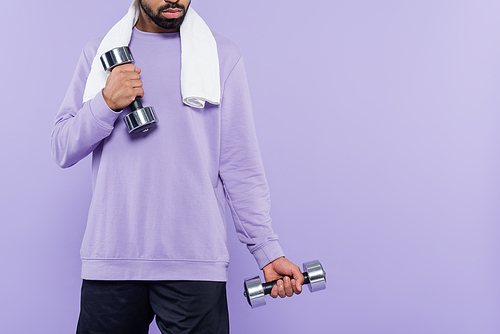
(154, 35)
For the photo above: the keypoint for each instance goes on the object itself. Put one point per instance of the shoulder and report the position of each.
(225, 45)
(90, 49)
(229, 53)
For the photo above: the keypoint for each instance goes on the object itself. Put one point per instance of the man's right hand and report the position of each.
(122, 87)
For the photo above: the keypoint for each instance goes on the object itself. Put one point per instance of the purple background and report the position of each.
(379, 128)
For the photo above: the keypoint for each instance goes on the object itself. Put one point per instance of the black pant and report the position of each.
(128, 307)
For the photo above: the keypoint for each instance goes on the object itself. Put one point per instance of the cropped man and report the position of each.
(155, 242)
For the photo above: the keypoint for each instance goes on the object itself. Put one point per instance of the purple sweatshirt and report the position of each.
(159, 198)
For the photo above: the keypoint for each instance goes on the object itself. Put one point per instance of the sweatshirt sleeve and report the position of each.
(79, 127)
(242, 172)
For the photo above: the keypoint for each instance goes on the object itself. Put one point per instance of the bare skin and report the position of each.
(122, 87)
(286, 287)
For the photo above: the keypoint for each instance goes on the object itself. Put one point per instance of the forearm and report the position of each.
(242, 172)
(249, 206)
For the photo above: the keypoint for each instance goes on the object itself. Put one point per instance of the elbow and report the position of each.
(59, 154)
(63, 163)
(61, 160)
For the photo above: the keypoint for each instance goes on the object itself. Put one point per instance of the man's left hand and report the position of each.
(282, 270)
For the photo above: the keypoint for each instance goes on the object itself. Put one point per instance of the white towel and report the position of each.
(200, 80)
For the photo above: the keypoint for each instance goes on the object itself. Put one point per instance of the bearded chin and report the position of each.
(162, 21)
(168, 23)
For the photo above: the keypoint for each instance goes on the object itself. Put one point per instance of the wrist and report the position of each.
(269, 266)
(109, 102)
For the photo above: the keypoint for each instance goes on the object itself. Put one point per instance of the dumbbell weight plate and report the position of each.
(254, 292)
(116, 56)
(316, 274)
(140, 120)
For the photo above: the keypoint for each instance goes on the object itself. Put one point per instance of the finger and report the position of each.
(125, 76)
(121, 78)
(281, 289)
(294, 287)
(125, 68)
(122, 69)
(299, 279)
(274, 292)
(132, 75)
(138, 92)
(288, 286)
(134, 83)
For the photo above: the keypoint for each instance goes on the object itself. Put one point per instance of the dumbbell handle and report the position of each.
(136, 104)
(268, 286)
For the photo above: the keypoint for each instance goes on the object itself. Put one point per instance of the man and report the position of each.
(155, 242)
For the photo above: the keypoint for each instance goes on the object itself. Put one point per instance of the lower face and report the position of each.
(168, 15)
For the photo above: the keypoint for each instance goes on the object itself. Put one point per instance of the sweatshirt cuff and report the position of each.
(269, 252)
(102, 113)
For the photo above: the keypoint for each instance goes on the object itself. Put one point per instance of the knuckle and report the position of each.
(122, 76)
(128, 67)
(119, 70)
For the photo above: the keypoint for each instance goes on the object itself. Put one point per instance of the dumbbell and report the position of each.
(255, 290)
(141, 118)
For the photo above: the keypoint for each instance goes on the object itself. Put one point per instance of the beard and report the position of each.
(162, 21)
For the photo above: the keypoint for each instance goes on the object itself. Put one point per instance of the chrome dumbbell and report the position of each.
(141, 118)
(255, 290)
